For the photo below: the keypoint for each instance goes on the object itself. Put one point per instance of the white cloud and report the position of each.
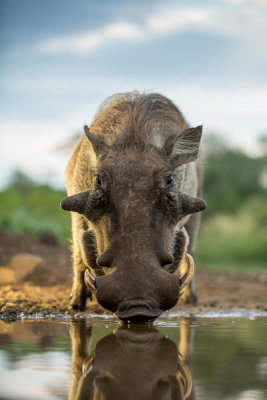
(175, 20)
(89, 41)
(260, 2)
(166, 22)
(243, 20)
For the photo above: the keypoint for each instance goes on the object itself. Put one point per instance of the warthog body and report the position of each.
(132, 181)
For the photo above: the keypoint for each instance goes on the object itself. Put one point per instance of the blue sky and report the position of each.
(61, 58)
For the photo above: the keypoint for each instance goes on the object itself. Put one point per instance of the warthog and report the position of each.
(132, 181)
(134, 362)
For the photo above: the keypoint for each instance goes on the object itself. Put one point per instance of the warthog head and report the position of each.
(133, 204)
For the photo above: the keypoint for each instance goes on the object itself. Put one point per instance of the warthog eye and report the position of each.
(169, 181)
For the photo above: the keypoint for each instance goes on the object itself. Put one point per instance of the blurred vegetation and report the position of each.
(33, 209)
(233, 232)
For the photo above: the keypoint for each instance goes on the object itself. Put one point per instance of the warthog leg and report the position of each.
(79, 291)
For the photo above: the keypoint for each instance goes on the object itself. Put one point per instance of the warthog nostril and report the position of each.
(165, 258)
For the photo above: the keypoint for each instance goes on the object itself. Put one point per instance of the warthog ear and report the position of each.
(190, 204)
(183, 149)
(98, 143)
(76, 203)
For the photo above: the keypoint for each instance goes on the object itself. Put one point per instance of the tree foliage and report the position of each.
(232, 177)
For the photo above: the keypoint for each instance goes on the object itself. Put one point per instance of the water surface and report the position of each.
(94, 358)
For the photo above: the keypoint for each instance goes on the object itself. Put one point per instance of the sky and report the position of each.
(61, 58)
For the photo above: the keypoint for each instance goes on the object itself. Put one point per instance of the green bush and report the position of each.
(34, 211)
(238, 240)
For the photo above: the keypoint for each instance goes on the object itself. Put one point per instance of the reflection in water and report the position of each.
(134, 362)
(229, 360)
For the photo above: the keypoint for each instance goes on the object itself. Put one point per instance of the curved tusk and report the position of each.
(89, 280)
(188, 275)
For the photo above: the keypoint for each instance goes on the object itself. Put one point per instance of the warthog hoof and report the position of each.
(78, 297)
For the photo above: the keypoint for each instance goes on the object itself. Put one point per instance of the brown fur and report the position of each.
(135, 142)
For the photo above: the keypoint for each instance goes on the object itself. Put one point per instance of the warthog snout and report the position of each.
(124, 296)
(140, 298)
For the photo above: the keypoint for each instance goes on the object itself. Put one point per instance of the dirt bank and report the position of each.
(47, 287)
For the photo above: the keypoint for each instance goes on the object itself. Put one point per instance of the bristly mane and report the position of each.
(137, 119)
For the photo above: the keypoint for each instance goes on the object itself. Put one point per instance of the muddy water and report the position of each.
(97, 358)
